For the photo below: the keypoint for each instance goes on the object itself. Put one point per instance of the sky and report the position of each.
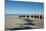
(21, 7)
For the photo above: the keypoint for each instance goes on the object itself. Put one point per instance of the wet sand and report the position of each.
(12, 22)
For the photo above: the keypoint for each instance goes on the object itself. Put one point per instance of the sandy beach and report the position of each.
(17, 22)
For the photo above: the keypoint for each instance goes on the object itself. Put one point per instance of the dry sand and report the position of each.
(12, 22)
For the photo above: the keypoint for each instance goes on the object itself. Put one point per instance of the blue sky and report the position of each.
(19, 7)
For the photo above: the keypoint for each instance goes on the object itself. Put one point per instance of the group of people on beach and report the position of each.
(35, 16)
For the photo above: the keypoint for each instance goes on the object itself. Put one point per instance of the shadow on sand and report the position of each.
(29, 22)
(19, 28)
(24, 27)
